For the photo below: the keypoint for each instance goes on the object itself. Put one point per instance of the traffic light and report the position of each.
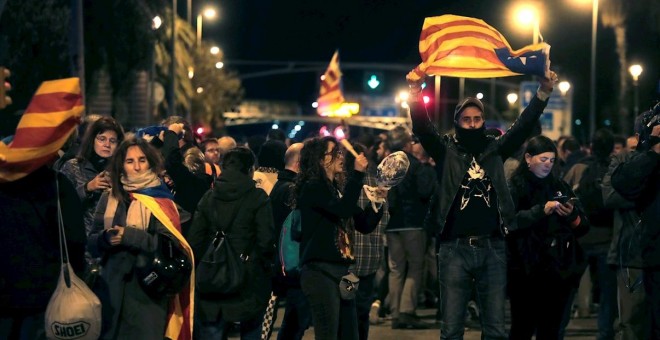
(373, 81)
(4, 87)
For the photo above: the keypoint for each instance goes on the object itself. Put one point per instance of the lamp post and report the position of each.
(592, 74)
(208, 13)
(635, 71)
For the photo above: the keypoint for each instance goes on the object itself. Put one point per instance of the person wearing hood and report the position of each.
(235, 200)
(475, 207)
(87, 170)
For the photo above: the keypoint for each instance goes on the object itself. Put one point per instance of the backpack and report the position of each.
(222, 271)
(289, 244)
(590, 193)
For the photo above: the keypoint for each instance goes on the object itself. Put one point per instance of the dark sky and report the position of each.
(387, 31)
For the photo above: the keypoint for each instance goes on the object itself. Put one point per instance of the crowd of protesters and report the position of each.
(508, 216)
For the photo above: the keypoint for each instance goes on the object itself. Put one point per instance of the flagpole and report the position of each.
(438, 122)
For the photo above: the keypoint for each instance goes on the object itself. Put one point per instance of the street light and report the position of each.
(526, 15)
(635, 70)
(564, 86)
(512, 98)
(215, 50)
(208, 13)
(156, 22)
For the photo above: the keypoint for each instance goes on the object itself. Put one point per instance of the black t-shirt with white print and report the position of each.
(474, 211)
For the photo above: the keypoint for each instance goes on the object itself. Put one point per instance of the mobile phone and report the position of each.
(560, 199)
(572, 200)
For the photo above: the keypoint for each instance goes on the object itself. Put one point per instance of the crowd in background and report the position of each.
(509, 216)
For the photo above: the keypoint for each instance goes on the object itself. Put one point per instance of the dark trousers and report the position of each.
(538, 301)
(333, 317)
(363, 301)
(652, 287)
(297, 316)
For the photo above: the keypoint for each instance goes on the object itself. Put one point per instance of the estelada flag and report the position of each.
(457, 46)
(331, 95)
(180, 313)
(47, 123)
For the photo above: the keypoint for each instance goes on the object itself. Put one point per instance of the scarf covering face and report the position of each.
(474, 140)
(137, 215)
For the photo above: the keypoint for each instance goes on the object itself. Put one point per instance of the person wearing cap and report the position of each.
(475, 207)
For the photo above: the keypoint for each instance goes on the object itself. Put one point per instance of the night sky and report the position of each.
(387, 31)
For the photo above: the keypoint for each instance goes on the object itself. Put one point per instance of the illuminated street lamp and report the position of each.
(564, 86)
(635, 71)
(219, 65)
(215, 50)
(208, 13)
(526, 15)
(512, 98)
(156, 22)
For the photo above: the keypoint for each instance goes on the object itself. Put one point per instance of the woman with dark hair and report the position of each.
(545, 261)
(326, 251)
(87, 170)
(129, 222)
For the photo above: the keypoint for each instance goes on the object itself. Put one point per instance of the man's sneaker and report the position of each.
(373, 313)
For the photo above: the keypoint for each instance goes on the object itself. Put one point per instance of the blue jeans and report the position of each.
(460, 265)
(217, 330)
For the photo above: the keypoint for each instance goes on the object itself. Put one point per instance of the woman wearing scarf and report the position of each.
(128, 222)
(87, 170)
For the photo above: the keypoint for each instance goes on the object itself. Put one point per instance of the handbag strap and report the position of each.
(225, 233)
(64, 250)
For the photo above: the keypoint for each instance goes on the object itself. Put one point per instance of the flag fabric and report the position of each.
(458, 46)
(181, 308)
(53, 114)
(331, 96)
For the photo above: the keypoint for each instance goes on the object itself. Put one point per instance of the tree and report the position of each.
(217, 91)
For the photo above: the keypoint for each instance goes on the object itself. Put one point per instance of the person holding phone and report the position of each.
(545, 261)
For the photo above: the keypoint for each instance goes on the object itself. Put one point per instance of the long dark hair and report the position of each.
(536, 145)
(116, 165)
(101, 125)
(311, 157)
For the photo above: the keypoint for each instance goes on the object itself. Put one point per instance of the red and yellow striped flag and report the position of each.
(180, 313)
(457, 46)
(331, 96)
(51, 117)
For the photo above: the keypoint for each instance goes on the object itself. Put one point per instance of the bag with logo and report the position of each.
(74, 311)
(222, 270)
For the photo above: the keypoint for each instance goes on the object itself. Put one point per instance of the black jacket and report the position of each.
(236, 198)
(190, 187)
(30, 264)
(324, 234)
(625, 247)
(453, 161)
(544, 242)
(409, 201)
(639, 180)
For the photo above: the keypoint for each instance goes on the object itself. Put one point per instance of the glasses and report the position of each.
(103, 139)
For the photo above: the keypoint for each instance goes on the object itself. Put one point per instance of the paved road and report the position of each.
(578, 329)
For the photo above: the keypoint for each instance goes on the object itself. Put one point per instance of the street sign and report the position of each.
(557, 116)
(528, 90)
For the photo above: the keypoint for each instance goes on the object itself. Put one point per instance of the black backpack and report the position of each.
(222, 271)
(590, 193)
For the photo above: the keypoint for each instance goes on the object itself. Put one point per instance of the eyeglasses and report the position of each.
(103, 139)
